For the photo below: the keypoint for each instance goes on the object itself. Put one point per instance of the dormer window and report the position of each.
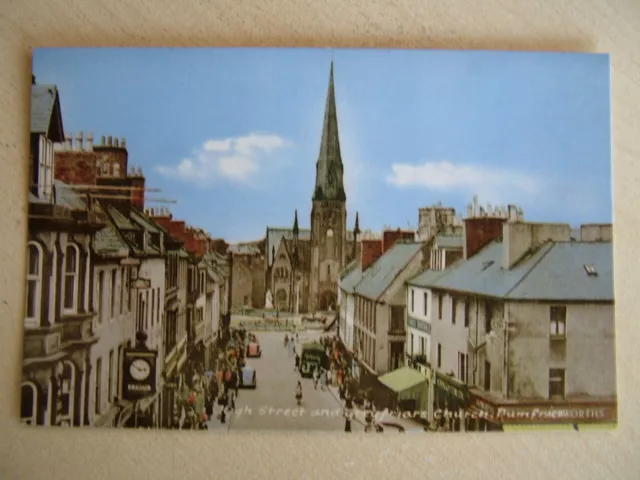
(591, 270)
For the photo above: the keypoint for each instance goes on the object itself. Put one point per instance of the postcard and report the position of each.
(359, 241)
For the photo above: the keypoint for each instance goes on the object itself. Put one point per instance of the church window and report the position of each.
(329, 233)
(329, 271)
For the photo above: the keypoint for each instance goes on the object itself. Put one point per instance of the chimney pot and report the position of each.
(139, 171)
(68, 142)
(102, 139)
(89, 147)
(123, 142)
(116, 142)
(79, 141)
(109, 140)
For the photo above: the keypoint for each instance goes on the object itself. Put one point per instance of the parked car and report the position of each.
(248, 377)
(253, 349)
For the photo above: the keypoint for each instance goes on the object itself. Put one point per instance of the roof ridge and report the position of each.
(535, 264)
(419, 250)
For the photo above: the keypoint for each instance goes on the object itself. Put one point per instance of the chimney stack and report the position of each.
(79, 141)
(68, 142)
(371, 250)
(116, 142)
(109, 140)
(123, 142)
(89, 147)
(102, 141)
(596, 232)
(479, 232)
(520, 238)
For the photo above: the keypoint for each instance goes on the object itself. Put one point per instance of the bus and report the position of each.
(313, 355)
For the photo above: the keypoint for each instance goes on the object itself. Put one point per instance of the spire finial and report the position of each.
(296, 230)
(356, 230)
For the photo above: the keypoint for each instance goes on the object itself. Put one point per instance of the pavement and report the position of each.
(272, 405)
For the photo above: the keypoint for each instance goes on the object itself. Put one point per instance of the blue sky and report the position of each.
(233, 134)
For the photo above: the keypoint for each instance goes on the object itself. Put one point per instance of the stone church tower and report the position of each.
(328, 214)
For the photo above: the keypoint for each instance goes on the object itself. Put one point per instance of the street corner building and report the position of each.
(108, 279)
(487, 323)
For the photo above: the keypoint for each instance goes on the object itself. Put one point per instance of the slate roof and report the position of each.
(145, 222)
(449, 241)
(109, 241)
(276, 234)
(304, 250)
(43, 100)
(376, 279)
(555, 271)
(351, 279)
(120, 220)
(245, 248)
(65, 196)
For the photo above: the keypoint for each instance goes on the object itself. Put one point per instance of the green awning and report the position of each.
(402, 379)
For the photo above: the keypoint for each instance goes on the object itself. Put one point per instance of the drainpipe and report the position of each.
(475, 353)
(505, 368)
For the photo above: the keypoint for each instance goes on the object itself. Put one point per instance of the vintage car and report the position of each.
(248, 377)
(253, 349)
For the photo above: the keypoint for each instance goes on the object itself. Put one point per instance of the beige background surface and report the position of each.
(576, 25)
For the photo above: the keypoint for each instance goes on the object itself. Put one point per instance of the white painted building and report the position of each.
(527, 322)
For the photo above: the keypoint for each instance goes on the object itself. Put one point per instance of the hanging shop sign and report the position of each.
(139, 373)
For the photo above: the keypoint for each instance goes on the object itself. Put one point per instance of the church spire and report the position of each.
(356, 229)
(296, 230)
(329, 168)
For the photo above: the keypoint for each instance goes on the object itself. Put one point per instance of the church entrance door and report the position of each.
(281, 300)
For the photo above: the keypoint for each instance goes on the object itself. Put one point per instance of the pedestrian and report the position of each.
(329, 379)
(347, 424)
(323, 379)
(316, 374)
(297, 367)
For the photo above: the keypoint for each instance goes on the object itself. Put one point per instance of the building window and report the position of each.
(425, 304)
(29, 402)
(413, 308)
(128, 287)
(439, 358)
(467, 311)
(454, 305)
(71, 271)
(153, 306)
(556, 383)
(158, 311)
(98, 389)
(439, 306)
(122, 282)
(463, 367)
(119, 370)
(488, 314)
(487, 376)
(397, 318)
(558, 322)
(146, 310)
(34, 283)
(423, 349)
(113, 293)
(411, 346)
(110, 385)
(100, 295)
(329, 271)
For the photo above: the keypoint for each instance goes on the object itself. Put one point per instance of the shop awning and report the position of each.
(402, 379)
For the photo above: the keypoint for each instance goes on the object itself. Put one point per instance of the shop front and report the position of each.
(409, 390)
(490, 414)
(450, 402)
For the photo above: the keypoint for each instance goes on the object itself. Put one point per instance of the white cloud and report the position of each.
(491, 183)
(237, 158)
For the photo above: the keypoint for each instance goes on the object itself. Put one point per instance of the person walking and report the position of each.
(297, 365)
(316, 376)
